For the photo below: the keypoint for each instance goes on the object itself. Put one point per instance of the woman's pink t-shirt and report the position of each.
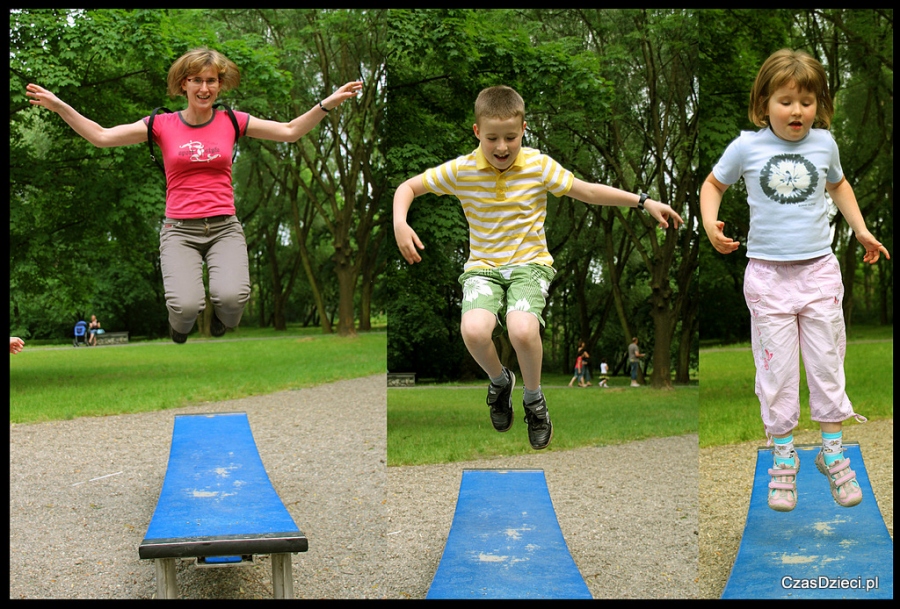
(197, 159)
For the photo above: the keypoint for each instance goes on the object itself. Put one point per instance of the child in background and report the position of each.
(579, 372)
(503, 190)
(792, 284)
(604, 374)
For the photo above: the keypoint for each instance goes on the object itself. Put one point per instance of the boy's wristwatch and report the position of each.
(644, 197)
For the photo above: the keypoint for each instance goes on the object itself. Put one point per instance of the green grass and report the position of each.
(441, 424)
(63, 383)
(729, 408)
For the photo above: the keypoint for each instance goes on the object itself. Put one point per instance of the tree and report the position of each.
(341, 183)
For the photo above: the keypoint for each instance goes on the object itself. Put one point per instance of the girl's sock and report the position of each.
(784, 451)
(832, 447)
(502, 380)
(531, 396)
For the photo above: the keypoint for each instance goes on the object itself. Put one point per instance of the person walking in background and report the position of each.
(585, 367)
(792, 284)
(634, 360)
(579, 366)
(578, 373)
(197, 145)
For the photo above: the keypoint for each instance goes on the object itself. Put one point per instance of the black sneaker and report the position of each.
(540, 429)
(178, 337)
(500, 401)
(216, 327)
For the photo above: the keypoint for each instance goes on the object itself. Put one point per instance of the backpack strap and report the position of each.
(237, 128)
(150, 135)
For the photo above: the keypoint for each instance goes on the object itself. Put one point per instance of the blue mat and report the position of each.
(819, 550)
(505, 542)
(216, 498)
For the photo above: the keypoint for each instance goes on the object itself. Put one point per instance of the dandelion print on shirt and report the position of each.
(788, 178)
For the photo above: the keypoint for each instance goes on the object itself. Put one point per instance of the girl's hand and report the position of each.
(873, 247)
(42, 97)
(723, 244)
(351, 89)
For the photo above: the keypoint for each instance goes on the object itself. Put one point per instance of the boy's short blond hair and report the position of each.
(782, 68)
(499, 102)
(197, 60)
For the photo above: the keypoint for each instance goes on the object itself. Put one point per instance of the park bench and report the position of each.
(217, 505)
(112, 338)
(401, 379)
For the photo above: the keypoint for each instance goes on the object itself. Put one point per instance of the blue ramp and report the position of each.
(819, 550)
(217, 503)
(505, 542)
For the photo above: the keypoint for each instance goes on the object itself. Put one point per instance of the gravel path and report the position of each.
(82, 493)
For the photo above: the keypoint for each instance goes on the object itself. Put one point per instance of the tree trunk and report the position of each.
(347, 274)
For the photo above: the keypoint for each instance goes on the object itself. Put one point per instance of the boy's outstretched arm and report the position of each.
(843, 196)
(710, 199)
(407, 239)
(600, 194)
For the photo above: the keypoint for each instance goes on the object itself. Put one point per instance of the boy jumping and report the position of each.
(503, 190)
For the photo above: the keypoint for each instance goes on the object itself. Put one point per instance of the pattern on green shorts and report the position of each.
(505, 289)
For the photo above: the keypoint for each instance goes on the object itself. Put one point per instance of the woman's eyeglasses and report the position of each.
(210, 82)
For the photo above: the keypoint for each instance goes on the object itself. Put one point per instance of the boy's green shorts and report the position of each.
(507, 288)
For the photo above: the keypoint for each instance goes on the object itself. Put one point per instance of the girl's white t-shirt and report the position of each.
(785, 190)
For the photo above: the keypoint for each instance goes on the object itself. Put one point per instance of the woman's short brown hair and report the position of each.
(785, 67)
(197, 60)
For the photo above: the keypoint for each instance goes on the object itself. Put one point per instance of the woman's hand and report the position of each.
(351, 89)
(42, 97)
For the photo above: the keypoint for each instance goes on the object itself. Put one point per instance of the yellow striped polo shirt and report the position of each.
(505, 210)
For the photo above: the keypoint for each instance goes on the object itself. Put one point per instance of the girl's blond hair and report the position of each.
(197, 60)
(786, 67)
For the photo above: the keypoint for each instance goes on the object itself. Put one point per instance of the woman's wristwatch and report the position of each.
(644, 197)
